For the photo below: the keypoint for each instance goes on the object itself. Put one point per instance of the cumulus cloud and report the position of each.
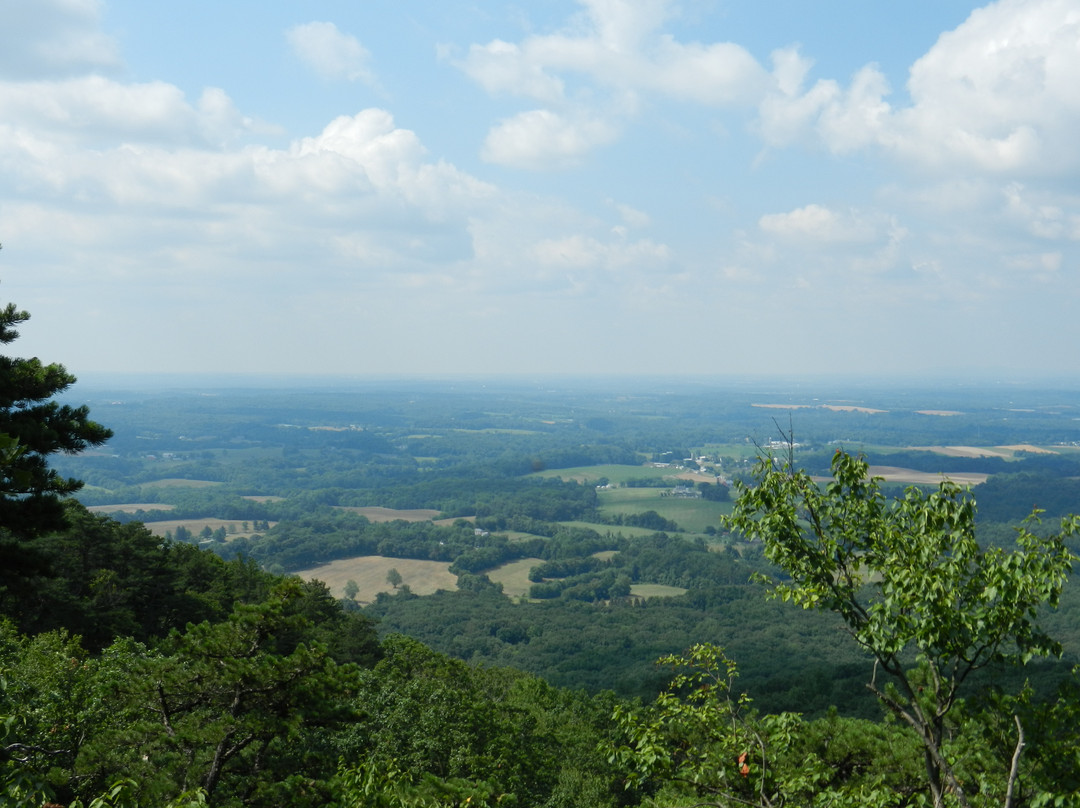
(501, 67)
(997, 94)
(618, 51)
(1040, 214)
(54, 38)
(579, 252)
(542, 139)
(331, 53)
(821, 224)
(1000, 91)
(93, 108)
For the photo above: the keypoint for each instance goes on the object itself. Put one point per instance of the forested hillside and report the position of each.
(898, 645)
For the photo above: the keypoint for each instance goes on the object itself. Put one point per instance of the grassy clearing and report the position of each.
(614, 474)
(131, 507)
(514, 576)
(615, 530)
(693, 515)
(234, 528)
(450, 520)
(518, 536)
(376, 514)
(656, 591)
(740, 451)
(369, 572)
(892, 474)
(176, 482)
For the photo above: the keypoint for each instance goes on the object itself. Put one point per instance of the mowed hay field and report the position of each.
(376, 514)
(131, 507)
(612, 473)
(693, 515)
(514, 576)
(233, 527)
(892, 474)
(369, 572)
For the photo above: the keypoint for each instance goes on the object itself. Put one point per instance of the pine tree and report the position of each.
(33, 427)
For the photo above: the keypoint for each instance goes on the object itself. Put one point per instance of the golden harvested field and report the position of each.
(130, 507)
(1027, 447)
(376, 514)
(234, 527)
(850, 408)
(176, 482)
(369, 572)
(893, 474)
(449, 521)
(984, 451)
(966, 451)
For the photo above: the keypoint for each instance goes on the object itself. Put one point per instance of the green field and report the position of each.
(514, 576)
(628, 531)
(656, 591)
(613, 474)
(693, 515)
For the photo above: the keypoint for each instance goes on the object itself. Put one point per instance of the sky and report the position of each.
(601, 187)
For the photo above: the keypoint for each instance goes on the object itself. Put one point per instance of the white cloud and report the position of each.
(53, 38)
(542, 139)
(816, 223)
(331, 53)
(500, 67)
(96, 109)
(998, 94)
(633, 217)
(1040, 266)
(581, 252)
(1040, 214)
(616, 52)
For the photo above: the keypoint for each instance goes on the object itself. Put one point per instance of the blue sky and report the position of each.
(595, 187)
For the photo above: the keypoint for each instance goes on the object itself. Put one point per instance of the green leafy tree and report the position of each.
(912, 584)
(702, 743)
(393, 577)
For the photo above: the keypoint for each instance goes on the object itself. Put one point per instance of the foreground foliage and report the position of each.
(702, 743)
(917, 591)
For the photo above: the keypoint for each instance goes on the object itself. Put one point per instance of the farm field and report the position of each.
(514, 577)
(376, 514)
(614, 474)
(656, 591)
(177, 482)
(233, 527)
(131, 507)
(369, 572)
(893, 474)
(693, 515)
(629, 531)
